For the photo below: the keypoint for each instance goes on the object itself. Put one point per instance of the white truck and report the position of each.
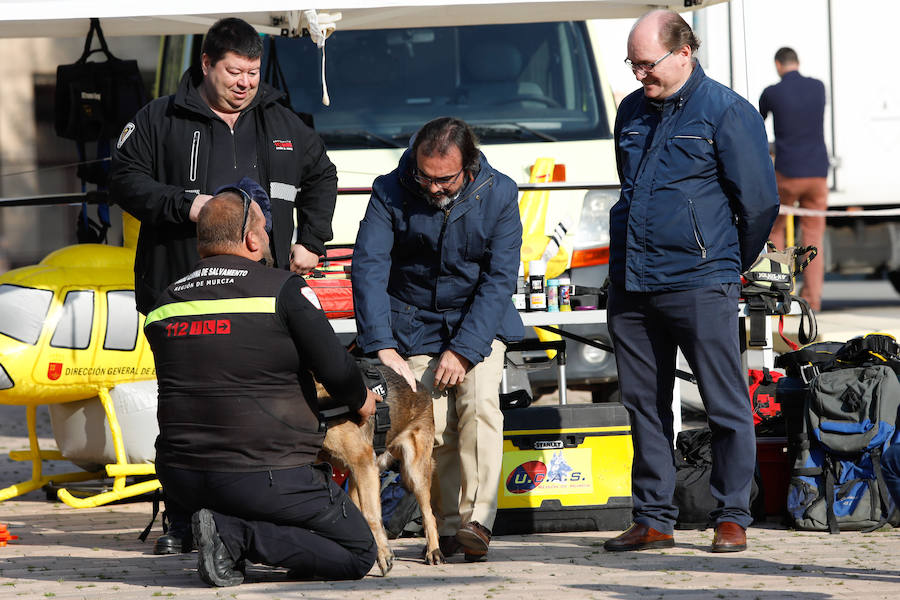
(848, 46)
(527, 75)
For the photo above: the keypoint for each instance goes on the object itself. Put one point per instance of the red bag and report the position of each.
(331, 282)
(762, 395)
(334, 294)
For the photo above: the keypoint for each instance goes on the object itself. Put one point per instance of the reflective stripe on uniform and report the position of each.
(282, 191)
(211, 307)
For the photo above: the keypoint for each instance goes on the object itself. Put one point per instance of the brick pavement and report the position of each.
(94, 554)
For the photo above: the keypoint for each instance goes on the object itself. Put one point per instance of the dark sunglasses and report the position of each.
(247, 201)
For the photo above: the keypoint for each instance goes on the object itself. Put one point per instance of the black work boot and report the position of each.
(214, 563)
(176, 540)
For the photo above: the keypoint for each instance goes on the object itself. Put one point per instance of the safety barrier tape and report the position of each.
(809, 212)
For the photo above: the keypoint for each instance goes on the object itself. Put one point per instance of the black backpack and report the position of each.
(693, 467)
(93, 102)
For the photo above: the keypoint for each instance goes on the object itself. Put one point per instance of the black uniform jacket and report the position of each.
(236, 345)
(176, 148)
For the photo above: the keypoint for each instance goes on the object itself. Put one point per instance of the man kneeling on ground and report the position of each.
(236, 346)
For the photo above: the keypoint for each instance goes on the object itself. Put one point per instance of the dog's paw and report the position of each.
(434, 557)
(385, 561)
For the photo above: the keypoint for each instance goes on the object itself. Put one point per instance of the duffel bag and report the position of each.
(330, 281)
(335, 295)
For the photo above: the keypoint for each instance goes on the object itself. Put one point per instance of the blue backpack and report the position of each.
(836, 480)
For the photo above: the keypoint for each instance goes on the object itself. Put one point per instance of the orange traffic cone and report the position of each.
(5, 535)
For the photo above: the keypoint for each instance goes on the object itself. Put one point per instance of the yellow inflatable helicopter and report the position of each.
(69, 331)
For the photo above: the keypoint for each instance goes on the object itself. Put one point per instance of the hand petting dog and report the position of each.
(367, 410)
(390, 358)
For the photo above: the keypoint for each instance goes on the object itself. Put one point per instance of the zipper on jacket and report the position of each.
(233, 150)
(447, 212)
(696, 227)
(693, 137)
(195, 151)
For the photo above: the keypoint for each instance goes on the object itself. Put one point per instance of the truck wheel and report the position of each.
(894, 278)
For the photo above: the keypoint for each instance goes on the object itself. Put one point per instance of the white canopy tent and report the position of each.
(68, 18)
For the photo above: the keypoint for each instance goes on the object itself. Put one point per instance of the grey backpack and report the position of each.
(836, 480)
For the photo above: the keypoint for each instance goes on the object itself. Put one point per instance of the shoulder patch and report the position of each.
(127, 131)
(311, 296)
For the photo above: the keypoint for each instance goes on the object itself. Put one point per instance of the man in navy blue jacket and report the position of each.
(698, 200)
(797, 105)
(434, 270)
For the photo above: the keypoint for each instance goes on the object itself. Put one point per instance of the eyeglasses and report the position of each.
(646, 67)
(442, 182)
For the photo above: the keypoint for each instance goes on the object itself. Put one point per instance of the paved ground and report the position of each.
(94, 553)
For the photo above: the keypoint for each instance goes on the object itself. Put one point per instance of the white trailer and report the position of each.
(849, 46)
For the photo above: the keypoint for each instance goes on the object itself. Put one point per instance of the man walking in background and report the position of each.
(797, 105)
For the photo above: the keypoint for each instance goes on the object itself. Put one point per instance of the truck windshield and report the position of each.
(513, 82)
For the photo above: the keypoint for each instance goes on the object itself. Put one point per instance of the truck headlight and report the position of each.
(591, 244)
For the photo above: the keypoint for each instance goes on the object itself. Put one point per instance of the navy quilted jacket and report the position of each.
(426, 280)
(698, 197)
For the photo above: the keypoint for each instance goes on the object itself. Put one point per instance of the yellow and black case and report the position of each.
(565, 468)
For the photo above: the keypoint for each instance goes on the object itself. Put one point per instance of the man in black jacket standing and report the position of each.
(222, 124)
(236, 345)
(213, 131)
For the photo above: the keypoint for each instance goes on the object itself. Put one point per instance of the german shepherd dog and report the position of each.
(410, 440)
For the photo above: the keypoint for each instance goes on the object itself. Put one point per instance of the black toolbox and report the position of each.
(565, 468)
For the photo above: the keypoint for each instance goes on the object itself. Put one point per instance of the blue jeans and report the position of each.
(647, 329)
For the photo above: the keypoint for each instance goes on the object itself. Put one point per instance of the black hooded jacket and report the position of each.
(176, 148)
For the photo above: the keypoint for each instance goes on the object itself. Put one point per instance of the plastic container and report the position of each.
(552, 295)
(519, 298)
(537, 296)
(565, 292)
(775, 469)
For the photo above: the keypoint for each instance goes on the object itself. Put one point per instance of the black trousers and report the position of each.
(296, 518)
(647, 329)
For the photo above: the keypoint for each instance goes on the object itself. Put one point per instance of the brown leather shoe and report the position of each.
(474, 538)
(639, 537)
(448, 545)
(730, 537)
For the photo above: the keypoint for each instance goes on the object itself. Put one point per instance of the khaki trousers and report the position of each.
(468, 441)
(805, 192)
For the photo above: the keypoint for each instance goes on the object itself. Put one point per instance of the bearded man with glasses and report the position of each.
(434, 269)
(697, 203)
